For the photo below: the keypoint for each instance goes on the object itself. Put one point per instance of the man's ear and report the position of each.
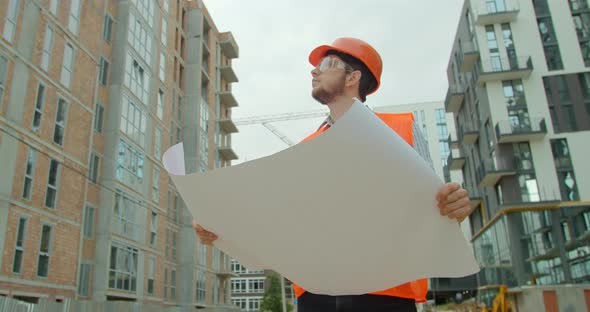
(353, 77)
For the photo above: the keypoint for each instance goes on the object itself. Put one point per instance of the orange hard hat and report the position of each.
(356, 48)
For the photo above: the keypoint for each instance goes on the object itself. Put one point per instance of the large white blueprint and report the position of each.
(349, 212)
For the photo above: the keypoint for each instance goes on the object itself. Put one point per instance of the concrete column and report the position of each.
(111, 131)
(15, 109)
(192, 99)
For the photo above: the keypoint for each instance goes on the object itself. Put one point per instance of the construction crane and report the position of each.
(266, 121)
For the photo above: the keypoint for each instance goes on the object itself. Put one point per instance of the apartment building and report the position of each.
(91, 94)
(519, 89)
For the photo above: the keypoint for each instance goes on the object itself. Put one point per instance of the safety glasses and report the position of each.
(333, 62)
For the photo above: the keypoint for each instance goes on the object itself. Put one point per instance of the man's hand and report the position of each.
(453, 201)
(205, 236)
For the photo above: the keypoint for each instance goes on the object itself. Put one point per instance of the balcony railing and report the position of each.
(468, 134)
(530, 130)
(489, 172)
(578, 6)
(497, 12)
(456, 159)
(503, 68)
(469, 56)
(455, 97)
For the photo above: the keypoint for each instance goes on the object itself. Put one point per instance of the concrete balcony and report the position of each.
(456, 160)
(468, 135)
(454, 99)
(453, 143)
(228, 125)
(497, 12)
(469, 57)
(489, 172)
(498, 69)
(228, 99)
(227, 152)
(228, 45)
(530, 130)
(228, 74)
(223, 273)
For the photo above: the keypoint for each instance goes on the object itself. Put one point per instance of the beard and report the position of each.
(325, 95)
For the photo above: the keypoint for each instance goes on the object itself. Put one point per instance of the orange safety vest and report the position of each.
(402, 124)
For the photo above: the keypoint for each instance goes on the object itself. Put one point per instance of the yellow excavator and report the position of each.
(501, 302)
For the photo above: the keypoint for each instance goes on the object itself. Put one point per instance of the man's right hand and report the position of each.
(205, 236)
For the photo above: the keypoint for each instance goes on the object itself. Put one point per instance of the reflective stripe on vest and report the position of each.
(402, 125)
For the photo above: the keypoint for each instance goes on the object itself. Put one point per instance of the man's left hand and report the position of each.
(453, 201)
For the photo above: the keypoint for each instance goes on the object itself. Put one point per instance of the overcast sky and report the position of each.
(414, 38)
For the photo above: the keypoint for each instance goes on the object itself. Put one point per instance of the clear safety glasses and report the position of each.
(333, 62)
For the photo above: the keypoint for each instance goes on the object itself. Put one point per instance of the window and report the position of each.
(146, 9)
(201, 254)
(216, 259)
(60, 122)
(166, 6)
(137, 79)
(10, 23)
(565, 171)
(67, 64)
(3, 72)
(107, 28)
(40, 100)
(89, 212)
(124, 219)
(160, 104)
(19, 249)
(74, 19)
(133, 121)
(154, 229)
(201, 286)
(98, 117)
(94, 167)
(173, 251)
(47, 47)
(84, 283)
(151, 274)
(29, 173)
(54, 6)
(156, 185)
(172, 284)
(44, 251)
(165, 284)
(204, 138)
(565, 230)
(123, 267)
(158, 143)
(162, 73)
(176, 208)
(163, 35)
(139, 38)
(103, 74)
(51, 194)
(216, 290)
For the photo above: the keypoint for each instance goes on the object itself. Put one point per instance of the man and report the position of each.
(345, 72)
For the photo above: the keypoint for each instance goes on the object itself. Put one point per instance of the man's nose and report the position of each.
(315, 72)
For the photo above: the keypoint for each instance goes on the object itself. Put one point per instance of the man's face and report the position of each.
(328, 80)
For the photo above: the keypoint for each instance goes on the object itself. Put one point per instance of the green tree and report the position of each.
(272, 299)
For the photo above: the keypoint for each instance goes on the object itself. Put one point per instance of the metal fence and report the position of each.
(69, 305)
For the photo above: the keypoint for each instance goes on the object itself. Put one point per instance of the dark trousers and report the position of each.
(309, 302)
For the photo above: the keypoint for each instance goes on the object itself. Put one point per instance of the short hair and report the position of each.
(368, 82)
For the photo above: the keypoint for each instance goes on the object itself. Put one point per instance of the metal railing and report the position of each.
(530, 125)
(503, 64)
(491, 7)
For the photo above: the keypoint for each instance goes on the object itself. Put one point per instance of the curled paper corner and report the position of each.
(173, 160)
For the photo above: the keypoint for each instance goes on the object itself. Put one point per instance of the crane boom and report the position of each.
(279, 117)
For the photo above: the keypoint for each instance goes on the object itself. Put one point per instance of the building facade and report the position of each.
(438, 128)
(519, 89)
(91, 95)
